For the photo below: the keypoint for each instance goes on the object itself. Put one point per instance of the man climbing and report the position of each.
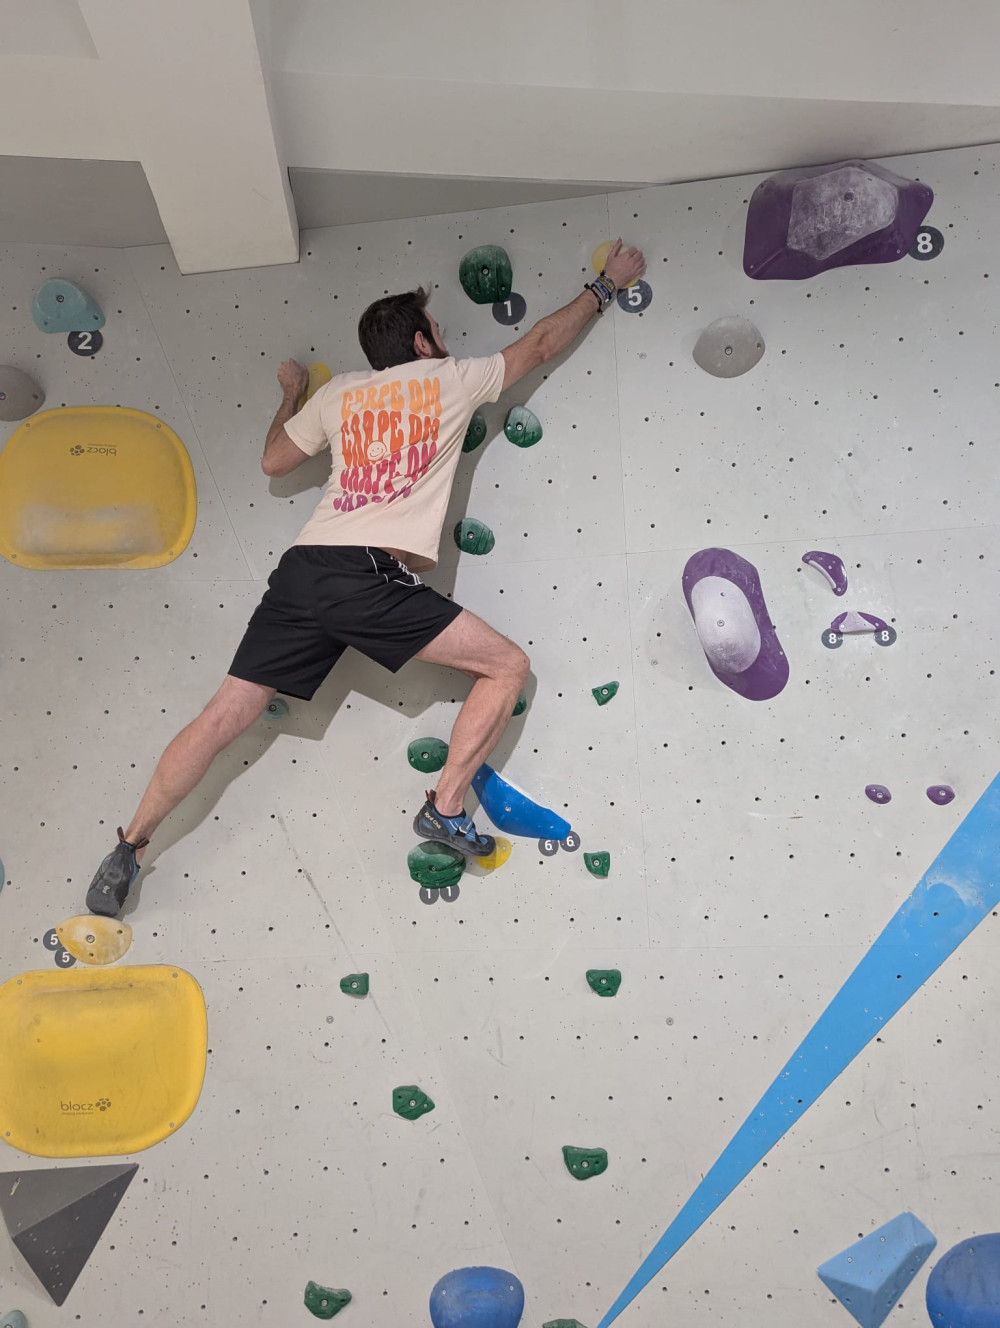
(351, 576)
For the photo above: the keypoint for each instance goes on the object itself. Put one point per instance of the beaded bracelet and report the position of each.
(604, 290)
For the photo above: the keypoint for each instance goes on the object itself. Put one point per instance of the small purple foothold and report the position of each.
(878, 793)
(853, 621)
(831, 566)
(942, 794)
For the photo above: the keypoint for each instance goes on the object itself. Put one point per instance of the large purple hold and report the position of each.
(800, 223)
(736, 633)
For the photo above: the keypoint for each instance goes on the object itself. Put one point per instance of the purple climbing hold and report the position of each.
(878, 793)
(942, 794)
(831, 566)
(801, 223)
(736, 633)
(852, 621)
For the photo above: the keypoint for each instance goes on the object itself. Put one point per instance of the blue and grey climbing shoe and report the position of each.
(109, 888)
(458, 831)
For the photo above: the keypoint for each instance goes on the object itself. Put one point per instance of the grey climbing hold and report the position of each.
(486, 274)
(410, 1102)
(435, 865)
(605, 981)
(60, 306)
(323, 1301)
(20, 396)
(583, 1163)
(563, 1323)
(598, 864)
(276, 708)
(427, 754)
(355, 984)
(475, 434)
(728, 347)
(605, 693)
(520, 706)
(473, 536)
(522, 426)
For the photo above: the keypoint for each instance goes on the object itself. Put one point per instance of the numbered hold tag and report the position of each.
(571, 843)
(634, 299)
(548, 847)
(51, 940)
(511, 310)
(85, 343)
(928, 243)
(832, 640)
(63, 958)
(449, 893)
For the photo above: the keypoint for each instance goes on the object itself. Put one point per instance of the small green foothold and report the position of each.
(427, 754)
(435, 865)
(276, 708)
(473, 536)
(605, 981)
(602, 695)
(475, 434)
(522, 426)
(14, 1319)
(409, 1101)
(355, 984)
(598, 864)
(563, 1323)
(486, 274)
(520, 705)
(585, 1162)
(325, 1302)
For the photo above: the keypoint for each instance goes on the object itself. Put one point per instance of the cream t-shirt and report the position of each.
(396, 436)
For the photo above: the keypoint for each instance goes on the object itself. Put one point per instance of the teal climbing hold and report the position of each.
(605, 693)
(60, 306)
(475, 434)
(486, 274)
(520, 706)
(598, 864)
(473, 536)
(435, 865)
(563, 1323)
(355, 984)
(276, 708)
(427, 754)
(522, 426)
(410, 1102)
(585, 1162)
(14, 1319)
(605, 981)
(325, 1302)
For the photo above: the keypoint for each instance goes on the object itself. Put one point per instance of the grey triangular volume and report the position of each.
(26, 1197)
(57, 1247)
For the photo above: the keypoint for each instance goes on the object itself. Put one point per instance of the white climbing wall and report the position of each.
(749, 873)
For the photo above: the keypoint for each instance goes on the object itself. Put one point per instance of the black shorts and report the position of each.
(322, 598)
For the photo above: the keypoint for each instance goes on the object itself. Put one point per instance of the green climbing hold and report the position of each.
(598, 864)
(585, 1162)
(520, 705)
(522, 426)
(325, 1302)
(276, 708)
(435, 865)
(475, 434)
(473, 536)
(563, 1323)
(486, 274)
(409, 1101)
(605, 981)
(355, 984)
(427, 754)
(602, 695)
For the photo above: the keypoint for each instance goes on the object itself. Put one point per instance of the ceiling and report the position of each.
(226, 125)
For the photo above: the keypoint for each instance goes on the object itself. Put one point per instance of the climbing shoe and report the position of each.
(458, 831)
(109, 888)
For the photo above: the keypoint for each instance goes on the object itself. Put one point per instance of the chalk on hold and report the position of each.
(20, 396)
(486, 274)
(520, 706)
(605, 693)
(877, 793)
(870, 1276)
(473, 536)
(355, 984)
(802, 222)
(583, 1163)
(728, 347)
(522, 426)
(93, 939)
(61, 306)
(963, 1290)
(511, 810)
(475, 434)
(276, 708)
(831, 567)
(942, 794)
(13, 1319)
(605, 981)
(477, 1298)
(435, 865)
(598, 864)
(427, 754)
(410, 1102)
(323, 1301)
(724, 596)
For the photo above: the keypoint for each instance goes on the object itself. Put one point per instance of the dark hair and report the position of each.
(386, 328)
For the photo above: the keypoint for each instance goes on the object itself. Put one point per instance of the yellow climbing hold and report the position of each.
(95, 940)
(600, 256)
(319, 376)
(499, 856)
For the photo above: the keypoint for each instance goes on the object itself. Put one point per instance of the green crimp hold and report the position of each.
(598, 864)
(325, 1302)
(563, 1323)
(276, 709)
(427, 754)
(475, 434)
(435, 865)
(585, 1162)
(520, 705)
(486, 274)
(409, 1101)
(355, 984)
(473, 536)
(602, 695)
(522, 426)
(605, 981)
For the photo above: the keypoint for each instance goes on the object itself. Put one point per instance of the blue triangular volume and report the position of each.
(869, 1277)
